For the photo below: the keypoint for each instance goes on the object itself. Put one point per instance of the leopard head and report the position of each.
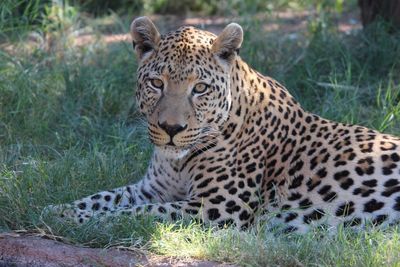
(184, 83)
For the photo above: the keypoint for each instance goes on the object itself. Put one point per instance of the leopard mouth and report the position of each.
(174, 152)
(204, 140)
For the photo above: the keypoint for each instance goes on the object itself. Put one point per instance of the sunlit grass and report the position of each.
(255, 247)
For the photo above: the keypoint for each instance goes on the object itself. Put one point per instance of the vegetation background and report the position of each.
(69, 126)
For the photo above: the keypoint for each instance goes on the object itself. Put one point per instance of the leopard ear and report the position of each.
(145, 37)
(226, 46)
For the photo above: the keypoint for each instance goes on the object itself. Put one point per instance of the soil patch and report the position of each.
(33, 251)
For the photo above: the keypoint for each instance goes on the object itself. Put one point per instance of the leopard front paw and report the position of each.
(66, 212)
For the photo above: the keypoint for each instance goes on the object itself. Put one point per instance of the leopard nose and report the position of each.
(172, 130)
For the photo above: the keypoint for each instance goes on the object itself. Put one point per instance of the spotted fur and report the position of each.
(244, 146)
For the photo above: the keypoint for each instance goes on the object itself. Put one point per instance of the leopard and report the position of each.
(232, 145)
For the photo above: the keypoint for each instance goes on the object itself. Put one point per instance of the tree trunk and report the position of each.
(388, 10)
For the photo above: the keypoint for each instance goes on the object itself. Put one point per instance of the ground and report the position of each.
(37, 251)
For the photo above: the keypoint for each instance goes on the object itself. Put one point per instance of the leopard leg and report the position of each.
(154, 187)
(189, 209)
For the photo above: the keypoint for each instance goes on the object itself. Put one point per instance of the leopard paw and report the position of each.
(62, 212)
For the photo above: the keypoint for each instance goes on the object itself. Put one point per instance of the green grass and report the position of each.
(69, 128)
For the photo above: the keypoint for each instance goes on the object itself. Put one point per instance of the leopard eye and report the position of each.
(157, 83)
(200, 88)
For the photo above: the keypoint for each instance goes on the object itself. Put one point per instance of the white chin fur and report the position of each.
(172, 152)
